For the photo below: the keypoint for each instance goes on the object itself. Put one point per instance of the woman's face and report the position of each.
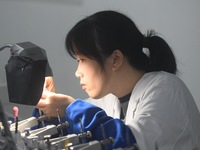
(93, 79)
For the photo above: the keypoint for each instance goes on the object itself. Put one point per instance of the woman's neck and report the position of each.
(126, 80)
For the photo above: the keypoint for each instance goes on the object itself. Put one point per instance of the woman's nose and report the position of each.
(78, 74)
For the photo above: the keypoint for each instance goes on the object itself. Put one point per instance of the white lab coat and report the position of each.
(161, 113)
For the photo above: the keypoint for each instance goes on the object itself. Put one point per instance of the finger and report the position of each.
(45, 94)
(50, 88)
(44, 86)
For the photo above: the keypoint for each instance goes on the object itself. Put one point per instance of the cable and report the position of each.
(6, 46)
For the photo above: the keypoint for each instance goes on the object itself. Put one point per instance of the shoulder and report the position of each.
(160, 78)
(160, 85)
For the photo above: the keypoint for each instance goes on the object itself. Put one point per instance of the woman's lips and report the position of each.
(83, 87)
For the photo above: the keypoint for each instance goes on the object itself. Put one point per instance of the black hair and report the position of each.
(98, 35)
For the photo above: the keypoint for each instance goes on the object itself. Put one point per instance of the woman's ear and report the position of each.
(118, 59)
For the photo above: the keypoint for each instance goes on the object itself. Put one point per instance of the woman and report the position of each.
(146, 102)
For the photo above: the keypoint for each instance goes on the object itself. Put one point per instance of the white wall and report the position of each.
(46, 23)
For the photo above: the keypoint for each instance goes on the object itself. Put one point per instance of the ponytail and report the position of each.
(161, 57)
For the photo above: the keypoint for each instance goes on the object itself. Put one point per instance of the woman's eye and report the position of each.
(80, 60)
